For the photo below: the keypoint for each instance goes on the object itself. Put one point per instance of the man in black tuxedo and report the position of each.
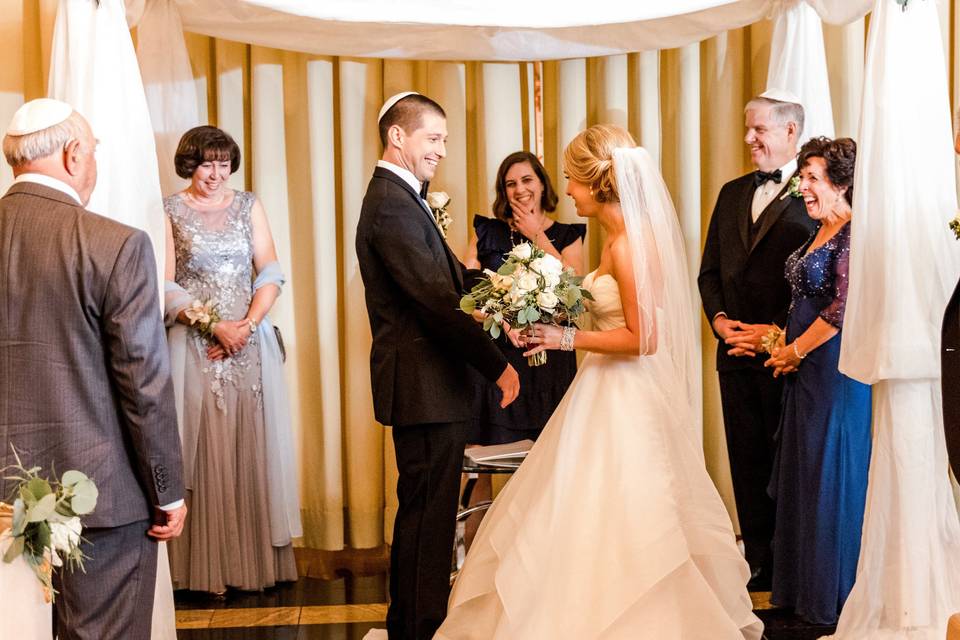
(950, 363)
(423, 346)
(755, 226)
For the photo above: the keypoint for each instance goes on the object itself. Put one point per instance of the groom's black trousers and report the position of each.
(429, 460)
(751, 400)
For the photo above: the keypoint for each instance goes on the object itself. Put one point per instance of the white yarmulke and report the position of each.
(392, 100)
(37, 115)
(781, 95)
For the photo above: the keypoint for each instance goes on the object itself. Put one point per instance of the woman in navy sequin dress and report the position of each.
(524, 196)
(820, 473)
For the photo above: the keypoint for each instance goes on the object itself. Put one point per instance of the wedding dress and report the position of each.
(611, 528)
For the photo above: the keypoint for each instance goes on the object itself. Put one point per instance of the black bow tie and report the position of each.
(424, 187)
(759, 177)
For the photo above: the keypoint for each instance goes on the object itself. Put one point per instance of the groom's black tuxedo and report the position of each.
(423, 347)
(742, 275)
(950, 378)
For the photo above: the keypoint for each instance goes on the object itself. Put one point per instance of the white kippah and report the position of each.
(37, 115)
(392, 100)
(781, 95)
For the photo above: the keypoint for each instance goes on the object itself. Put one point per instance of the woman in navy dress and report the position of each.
(524, 196)
(820, 474)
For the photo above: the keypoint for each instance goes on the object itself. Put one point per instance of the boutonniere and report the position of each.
(955, 225)
(438, 201)
(793, 188)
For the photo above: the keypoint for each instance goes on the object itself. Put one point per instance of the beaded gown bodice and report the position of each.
(818, 278)
(214, 254)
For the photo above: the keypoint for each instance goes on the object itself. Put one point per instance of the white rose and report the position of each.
(527, 282)
(547, 300)
(550, 265)
(65, 535)
(437, 199)
(522, 251)
(552, 279)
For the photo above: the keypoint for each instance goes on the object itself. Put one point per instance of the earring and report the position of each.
(591, 192)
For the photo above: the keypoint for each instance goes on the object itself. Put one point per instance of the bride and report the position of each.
(612, 528)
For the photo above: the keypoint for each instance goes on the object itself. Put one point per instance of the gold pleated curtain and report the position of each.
(307, 126)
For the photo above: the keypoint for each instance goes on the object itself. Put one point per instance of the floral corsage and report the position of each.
(438, 201)
(204, 316)
(773, 339)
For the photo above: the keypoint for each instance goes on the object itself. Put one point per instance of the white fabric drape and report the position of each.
(168, 84)
(93, 67)
(902, 266)
(798, 63)
(22, 609)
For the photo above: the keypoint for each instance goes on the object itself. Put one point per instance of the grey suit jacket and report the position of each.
(84, 371)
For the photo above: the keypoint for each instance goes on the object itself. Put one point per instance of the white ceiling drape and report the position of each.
(493, 30)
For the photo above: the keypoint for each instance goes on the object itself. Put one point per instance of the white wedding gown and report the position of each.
(611, 528)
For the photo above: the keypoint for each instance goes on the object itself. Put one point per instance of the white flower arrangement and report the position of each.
(531, 286)
(46, 525)
(438, 201)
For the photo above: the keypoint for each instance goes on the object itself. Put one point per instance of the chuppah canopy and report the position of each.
(467, 30)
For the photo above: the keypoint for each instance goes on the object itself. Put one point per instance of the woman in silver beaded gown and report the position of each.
(238, 459)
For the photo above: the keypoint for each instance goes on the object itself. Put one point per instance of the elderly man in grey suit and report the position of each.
(84, 371)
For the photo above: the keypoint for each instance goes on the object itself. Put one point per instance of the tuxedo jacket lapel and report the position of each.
(745, 210)
(772, 213)
(425, 209)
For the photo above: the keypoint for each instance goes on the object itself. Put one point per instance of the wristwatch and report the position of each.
(252, 325)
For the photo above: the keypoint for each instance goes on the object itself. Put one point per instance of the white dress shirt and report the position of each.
(407, 176)
(47, 181)
(766, 192)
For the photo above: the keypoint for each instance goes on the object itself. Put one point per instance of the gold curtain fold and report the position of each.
(307, 127)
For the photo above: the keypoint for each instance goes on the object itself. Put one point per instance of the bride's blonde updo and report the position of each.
(588, 159)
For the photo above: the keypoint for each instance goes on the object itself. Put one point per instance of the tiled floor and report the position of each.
(339, 605)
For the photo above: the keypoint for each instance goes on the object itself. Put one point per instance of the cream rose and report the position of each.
(437, 199)
(522, 251)
(547, 300)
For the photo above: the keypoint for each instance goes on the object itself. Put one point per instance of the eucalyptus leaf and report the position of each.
(39, 487)
(72, 477)
(27, 496)
(533, 314)
(14, 550)
(495, 330)
(507, 268)
(487, 323)
(42, 509)
(19, 517)
(84, 497)
(468, 304)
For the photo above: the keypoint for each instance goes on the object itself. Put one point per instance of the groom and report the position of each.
(422, 346)
(755, 226)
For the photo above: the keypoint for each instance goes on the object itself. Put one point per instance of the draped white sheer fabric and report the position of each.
(664, 292)
(22, 608)
(168, 83)
(93, 67)
(798, 63)
(903, 264)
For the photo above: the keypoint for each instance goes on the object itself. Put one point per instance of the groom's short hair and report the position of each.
(782, 112)
(408, 114)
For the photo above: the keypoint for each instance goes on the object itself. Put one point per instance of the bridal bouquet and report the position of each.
(530, 286)
(46, 520)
